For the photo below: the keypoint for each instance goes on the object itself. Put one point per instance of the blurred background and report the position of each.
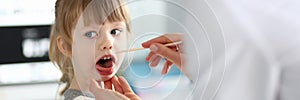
(25, 70)
(259, 39)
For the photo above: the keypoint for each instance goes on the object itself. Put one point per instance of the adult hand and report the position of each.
(173, 54)
(121, 90)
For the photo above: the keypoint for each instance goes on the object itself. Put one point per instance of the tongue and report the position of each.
(107, 64)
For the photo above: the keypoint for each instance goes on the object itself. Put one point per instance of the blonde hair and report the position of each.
(67, 13)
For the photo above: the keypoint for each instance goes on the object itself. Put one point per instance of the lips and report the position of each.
(105, 64)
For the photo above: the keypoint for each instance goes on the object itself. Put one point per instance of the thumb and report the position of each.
(95, 88)
(167, 53)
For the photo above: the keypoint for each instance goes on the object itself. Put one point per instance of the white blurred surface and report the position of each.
(32, 72)
(26, 12)
(29, 81)
(46, 91)
(262, 49)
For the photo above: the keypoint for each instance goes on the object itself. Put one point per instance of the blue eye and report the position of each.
(91, 34)
(115, 32)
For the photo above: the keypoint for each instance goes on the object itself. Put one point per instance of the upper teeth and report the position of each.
(106, 58)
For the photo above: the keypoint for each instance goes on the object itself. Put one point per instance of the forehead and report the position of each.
(99, 11)
(106, 24)
(91, 22)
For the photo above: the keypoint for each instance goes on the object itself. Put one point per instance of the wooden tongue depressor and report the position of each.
(137, 49)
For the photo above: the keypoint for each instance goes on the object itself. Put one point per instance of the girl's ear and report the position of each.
(62, 47)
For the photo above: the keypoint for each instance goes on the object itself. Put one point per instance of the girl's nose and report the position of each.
(108, 46)
(105, 42)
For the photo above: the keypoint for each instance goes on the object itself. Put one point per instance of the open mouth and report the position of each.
(105, 64)
(106, 61)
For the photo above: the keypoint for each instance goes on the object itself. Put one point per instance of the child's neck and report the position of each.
(74, 84)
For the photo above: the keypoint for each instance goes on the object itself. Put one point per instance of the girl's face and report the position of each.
(94, 50)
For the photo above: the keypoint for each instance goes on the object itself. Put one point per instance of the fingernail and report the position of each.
(154, 60)
(153, 47)
(143, 43)
(163, 73)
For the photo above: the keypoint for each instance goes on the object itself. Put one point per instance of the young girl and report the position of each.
(84, 38)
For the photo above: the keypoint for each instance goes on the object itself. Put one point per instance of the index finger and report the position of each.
(166, 38)
(116, 84)
(108, 84)
(125, 86)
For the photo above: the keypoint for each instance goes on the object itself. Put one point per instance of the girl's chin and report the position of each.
(105, 78)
